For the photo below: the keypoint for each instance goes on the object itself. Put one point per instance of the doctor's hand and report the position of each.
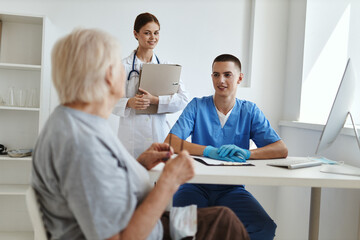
(155, 154)
(231, 150)
(138, 102)
(146, 95)
(212, 152)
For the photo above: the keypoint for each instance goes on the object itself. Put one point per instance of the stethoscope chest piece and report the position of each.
(133, 70)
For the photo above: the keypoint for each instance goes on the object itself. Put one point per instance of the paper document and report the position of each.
(159, 80)
(213, 162)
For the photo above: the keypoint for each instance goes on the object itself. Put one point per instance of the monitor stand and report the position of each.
(344, 169)
(355, 129)
(340, 169)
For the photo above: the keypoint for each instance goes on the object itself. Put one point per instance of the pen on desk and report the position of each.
(170, 142)
(182, 145)
(169, 150)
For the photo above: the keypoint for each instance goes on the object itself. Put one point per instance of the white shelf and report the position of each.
(30, 19)
(17, 235)
(6, 157)
(13, 189)
(22, 68)
(20, 108)
(16, 66)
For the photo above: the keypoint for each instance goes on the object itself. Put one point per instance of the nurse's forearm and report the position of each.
(274, 150)
(177, 143)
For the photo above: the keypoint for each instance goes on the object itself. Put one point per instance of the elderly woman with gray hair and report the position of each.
(87, 184)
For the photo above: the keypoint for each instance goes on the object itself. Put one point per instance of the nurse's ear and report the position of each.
(241, 76)
(136, 34)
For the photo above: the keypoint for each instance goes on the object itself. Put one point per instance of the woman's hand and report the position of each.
(138, 102)
(146, 95)
(156, 153)
(178, 170)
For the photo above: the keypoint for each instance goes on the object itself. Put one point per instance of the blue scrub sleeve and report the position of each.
(184, 126)
(261, 131)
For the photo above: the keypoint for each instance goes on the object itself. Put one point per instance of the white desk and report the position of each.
(265, 175)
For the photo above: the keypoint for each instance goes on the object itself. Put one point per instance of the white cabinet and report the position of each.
(24, 94)
(25, 68)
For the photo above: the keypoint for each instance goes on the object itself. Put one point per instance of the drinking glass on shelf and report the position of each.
(31, 98)
(21, 97)
(10, 97)
(2, 101)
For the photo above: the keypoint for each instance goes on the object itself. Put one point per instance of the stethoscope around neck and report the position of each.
(133, 70)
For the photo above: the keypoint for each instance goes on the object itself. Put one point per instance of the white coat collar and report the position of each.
(129, 59)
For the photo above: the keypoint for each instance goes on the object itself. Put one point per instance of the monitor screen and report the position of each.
(340, 109)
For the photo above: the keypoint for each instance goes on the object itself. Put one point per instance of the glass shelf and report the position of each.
(18, 189)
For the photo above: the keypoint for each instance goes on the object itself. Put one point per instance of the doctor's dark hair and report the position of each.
(143, 19)
(228, 58)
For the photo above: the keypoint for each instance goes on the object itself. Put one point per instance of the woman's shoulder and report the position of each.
(128, 60)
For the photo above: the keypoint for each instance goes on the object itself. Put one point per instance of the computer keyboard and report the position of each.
(294, 163)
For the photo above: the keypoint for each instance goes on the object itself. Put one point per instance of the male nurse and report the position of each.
(221, 127)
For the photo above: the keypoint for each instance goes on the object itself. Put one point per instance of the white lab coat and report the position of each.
(138, 132)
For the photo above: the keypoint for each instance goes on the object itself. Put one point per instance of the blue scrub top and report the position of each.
(246, 121)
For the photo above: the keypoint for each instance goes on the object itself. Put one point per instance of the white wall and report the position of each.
(325, 56)
(294, 65)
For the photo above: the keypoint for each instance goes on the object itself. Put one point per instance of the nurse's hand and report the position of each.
(155, 154)
(212, 152)
(138, 102)
(146, 95)
(230, 150)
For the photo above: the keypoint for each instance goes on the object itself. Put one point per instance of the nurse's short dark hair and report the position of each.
(228, 58)
(143, 19)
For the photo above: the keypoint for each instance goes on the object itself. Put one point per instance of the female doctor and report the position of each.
(138, 131)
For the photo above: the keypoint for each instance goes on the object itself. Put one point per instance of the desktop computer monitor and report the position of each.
(340, 109)
(337, 118)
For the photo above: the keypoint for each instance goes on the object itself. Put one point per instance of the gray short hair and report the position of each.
(79, 64)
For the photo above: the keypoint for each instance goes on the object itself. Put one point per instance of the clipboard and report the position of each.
(159, 79)
(212, 162)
